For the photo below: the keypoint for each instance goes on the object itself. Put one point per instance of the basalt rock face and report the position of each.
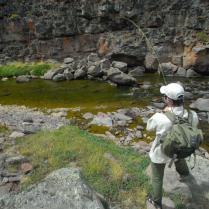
(60, 28)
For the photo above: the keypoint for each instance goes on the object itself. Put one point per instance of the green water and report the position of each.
(47, 94)
(89, 95)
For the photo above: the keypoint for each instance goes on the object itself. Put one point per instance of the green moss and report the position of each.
(13, 168)
(14, 16)
(136, 122)
(3, 128)
(98, 129)
(60, 148)
(201, 18)
(202, 36)
(205, 128)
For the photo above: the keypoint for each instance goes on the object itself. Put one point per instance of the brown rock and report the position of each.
(177, 60)
(189, 57)
(103, 47)
(197, 57)
(26, 168)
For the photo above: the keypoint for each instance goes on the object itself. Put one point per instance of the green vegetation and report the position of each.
(202, 36)
(3, 129)
(202, 19)
(179, 201)
(98, 129)
(14, 16)
(104, 165)
(19, 68)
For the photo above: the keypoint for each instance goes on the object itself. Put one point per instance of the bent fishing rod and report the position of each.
(149, 46)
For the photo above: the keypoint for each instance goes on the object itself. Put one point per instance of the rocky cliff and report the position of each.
(41, 29)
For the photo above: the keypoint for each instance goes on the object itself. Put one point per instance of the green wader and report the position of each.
(157, 177)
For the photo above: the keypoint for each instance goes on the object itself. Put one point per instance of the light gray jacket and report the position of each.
(161, 125)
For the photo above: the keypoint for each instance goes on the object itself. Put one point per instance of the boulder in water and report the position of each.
(23, 79)
(80, 73)
(59, 77)
(168, 68)
(51, 73)
(123, 79)
(137, 72)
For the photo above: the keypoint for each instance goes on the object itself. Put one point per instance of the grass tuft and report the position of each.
(69, 145)
(3, 128)
(19, 68)
(202, 36)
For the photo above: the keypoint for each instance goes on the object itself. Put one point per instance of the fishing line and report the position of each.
(149, 46)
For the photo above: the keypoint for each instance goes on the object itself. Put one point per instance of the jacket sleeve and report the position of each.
(195, 120)
(151, 124)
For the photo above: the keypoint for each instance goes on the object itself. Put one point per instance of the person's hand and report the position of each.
(166, 109)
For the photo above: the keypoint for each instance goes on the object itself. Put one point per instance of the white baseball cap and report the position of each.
(173, 90)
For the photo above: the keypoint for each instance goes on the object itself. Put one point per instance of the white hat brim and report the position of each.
(162, 89)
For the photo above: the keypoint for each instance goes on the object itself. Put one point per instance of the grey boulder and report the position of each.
(95, 71)
(123, 79)
(51, 73)
(80, 73)
(181, 72)
(68, 60)
(137, 72)
(151, 62)
(59, 77)
(68, 75)
(23, 79)
(201, 105)
(122, 66)
(194, 189)
(191, 73)
(168, 69)
(112, 72)
(62, 189)
(102, 119)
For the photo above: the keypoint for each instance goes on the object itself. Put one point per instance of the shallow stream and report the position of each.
(89, 96)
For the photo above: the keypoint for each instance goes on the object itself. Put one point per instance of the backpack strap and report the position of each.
(176, 119)
(190, 117)
(172, 117)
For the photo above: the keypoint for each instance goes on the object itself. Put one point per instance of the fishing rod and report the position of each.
(149, 45)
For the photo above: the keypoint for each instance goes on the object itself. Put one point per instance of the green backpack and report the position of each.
(183, 138)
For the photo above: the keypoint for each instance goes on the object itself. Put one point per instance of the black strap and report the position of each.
(172, 160)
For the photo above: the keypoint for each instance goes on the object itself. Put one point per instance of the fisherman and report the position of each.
(173, 97)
